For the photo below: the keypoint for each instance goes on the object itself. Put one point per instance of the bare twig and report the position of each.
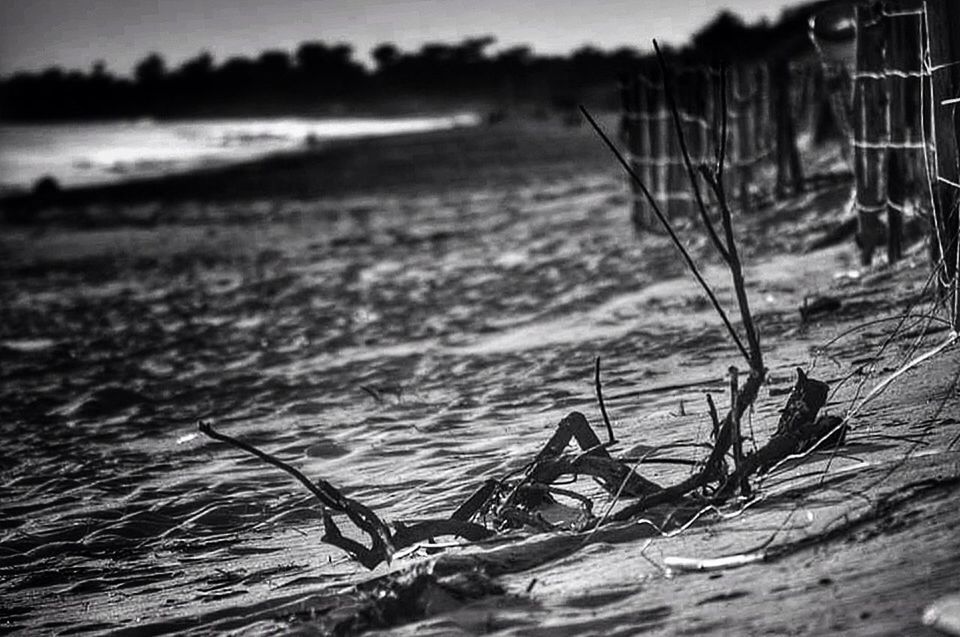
(603, 408)
(732, 257)
(669, 494)
(381, 541)
(714, 418)
(722, 146)
(737, 434)
(691, 173)
(739, 286)
(670, 231)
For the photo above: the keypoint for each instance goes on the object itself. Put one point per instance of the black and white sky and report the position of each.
(35, 34)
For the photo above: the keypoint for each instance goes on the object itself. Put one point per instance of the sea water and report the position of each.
(93, 153)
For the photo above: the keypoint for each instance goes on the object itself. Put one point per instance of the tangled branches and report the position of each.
(519, 500)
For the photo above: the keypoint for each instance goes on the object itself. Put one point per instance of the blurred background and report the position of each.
(97, 91)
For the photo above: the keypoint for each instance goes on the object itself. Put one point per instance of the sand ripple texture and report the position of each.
(404, 349)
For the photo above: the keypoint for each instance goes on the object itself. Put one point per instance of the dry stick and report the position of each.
(728, 252)
(862, 326)
(330, 497)
(754, 357)
(616, 497)
(736, 268)
(747, 395)
(574, 425)
(889, 339)
(901, 320)
(893, 469)
(713, 417)
(722, 146)
(603, 408)
(879, 389)
(737, 436)
(383, 542)
(670, 231)
(691, 173)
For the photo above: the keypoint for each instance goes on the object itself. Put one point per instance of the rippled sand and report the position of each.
(404, 348)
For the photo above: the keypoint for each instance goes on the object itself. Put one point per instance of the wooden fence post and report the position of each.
(743, 98)
(897, 54)
(943, 34)
(658, 142)
(870, 134)
(789, 172)
(628, 136)
(674, 206)
(761, 111)
(648, 173)
(731, 176)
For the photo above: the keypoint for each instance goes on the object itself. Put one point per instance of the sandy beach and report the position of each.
(407, 317)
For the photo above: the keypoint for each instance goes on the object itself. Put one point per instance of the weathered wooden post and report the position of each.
(825, 124)
(627, 136)
(902, 74)
(870, 131)
(675, 204)
(789, 171)
(897, 127)
(689, 110)
(761, 110)
(746, 151)
(635, 126)
(647, 171)
(943, 30)
(732, 174)
(708, 114)
(658, 130)
(911, 34)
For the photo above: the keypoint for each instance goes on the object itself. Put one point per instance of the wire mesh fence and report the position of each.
(886, 81)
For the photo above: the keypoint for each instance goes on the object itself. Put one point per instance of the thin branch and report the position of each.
(408, 535)
(330, 497)
(323, 490)
(713, 417)
(670, 231)
(722, 148)
(755, 358)
(736, 273)
(603, 408)
(691, 173)
(736, 433)
(748, 394)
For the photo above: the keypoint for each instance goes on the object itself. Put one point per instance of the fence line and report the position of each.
(893, 110)
(647, 130)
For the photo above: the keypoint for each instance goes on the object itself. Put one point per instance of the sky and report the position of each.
(35, 34)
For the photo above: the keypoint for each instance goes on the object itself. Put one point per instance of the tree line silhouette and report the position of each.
(319, 78)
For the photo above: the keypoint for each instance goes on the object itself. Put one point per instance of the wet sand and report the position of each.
(406, 331)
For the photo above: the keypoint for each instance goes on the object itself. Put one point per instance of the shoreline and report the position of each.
(431, 161)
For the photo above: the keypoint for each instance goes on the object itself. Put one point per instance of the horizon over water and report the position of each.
(102, 152)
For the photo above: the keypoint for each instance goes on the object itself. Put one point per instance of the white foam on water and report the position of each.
(91, 153)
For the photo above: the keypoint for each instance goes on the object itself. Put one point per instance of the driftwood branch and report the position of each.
(515, 504)
(711, 468)
(381, 546)
(383, 542)
(797, 428)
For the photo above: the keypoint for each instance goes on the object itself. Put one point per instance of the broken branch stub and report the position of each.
(797, 428)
